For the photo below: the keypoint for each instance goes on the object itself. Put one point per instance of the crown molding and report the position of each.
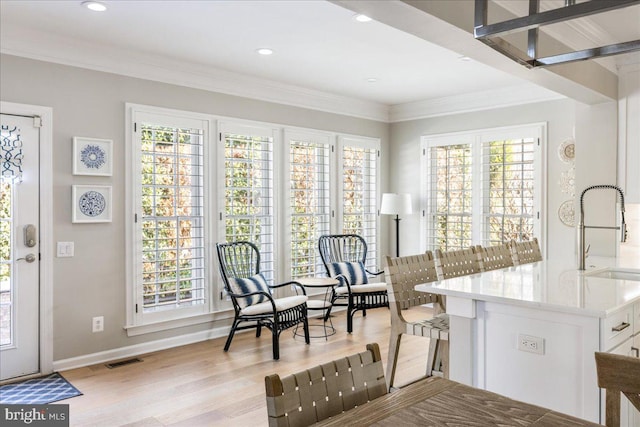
(77, 53)
(469, 102)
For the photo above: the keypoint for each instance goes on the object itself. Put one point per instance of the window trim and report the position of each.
(475, 138)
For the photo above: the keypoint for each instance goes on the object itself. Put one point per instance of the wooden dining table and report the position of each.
(440, 402)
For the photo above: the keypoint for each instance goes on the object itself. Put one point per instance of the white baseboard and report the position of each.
(147, 347)
(138, 349)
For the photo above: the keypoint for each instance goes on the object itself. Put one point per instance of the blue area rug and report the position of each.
(38, 391)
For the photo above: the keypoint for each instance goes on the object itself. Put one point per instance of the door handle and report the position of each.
(30, 239)
(28, 257)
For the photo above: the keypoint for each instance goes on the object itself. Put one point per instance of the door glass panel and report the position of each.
(6, 312)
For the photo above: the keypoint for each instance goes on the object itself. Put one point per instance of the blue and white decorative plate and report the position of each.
(92, 203)
(92, 156)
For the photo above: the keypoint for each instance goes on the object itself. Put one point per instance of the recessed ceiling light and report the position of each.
(362, 18)
(265, 51)
(464, 59)
(372, 79)
(96, 6)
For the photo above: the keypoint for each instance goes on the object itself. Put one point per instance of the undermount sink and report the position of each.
(617, 274)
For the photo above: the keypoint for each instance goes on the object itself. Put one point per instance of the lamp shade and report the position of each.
(395, 204)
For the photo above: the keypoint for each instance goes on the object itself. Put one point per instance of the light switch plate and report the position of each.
(65, 249)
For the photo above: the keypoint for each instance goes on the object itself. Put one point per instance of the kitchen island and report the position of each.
(530, 332)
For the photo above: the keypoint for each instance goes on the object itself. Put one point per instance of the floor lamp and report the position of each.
(396, 204)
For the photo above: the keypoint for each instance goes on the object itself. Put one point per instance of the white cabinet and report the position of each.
(629, 133)
(629, 415)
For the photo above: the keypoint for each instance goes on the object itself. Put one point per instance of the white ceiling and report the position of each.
(318, 46)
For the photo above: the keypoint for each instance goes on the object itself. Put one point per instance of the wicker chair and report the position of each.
(618, 374)
(402, 275)
(318, 393)
(456, 263)
(494, 257)
(344, 257)
(253, 304)
(525, 252)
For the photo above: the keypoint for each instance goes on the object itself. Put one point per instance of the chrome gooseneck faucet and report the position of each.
(581, 226)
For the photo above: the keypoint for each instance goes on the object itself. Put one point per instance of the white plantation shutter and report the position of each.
(482, 187)
(508, 196)
(450, 217)
(248, 190)
(359, 191)
(171, 224)
(309, 200)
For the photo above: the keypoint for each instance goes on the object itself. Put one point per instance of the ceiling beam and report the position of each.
(450, 24)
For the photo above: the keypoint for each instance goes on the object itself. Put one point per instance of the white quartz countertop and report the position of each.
(549, 286)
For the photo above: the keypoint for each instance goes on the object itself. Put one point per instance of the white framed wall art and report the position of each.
(91, 203)
(92, 156)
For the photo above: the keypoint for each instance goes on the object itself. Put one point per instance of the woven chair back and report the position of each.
(315, 394)
(456, 263)
(495, 257)
(526, 252)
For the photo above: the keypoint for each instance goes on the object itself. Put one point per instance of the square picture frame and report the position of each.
(91, 203)
(92, 156)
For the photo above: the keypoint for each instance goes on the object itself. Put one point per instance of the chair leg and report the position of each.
(392, 361)
(431, 358)
(276, 343)
(305, 325)
(444, 357)
(259, 330)
(363, 301)
(231, 333)
(350, 312)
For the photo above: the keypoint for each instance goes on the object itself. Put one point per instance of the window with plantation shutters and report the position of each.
(358, 196)
(194, 180)
(309, 199)
(482, 187)
(169, 229)
(248, 212)
(509, 190)
(450, 194)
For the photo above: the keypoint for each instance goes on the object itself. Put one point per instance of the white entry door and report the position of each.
(19, 246)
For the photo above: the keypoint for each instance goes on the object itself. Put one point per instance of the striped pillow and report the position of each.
(353, 272)
(251, 284)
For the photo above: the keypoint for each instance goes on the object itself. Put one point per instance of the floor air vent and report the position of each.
(122, 363)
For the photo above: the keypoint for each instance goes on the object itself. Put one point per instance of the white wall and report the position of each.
(405, 162)
(92, 104)
(596, 154)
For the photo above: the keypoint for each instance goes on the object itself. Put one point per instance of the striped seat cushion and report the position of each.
(254, 283)
(282, 304)
(353, 272)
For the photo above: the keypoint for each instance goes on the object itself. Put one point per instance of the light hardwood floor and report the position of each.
(201, 385)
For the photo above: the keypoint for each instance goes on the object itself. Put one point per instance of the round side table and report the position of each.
(320, 304)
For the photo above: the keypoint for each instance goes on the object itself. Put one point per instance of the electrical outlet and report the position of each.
(97, 324)
(530, 344)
